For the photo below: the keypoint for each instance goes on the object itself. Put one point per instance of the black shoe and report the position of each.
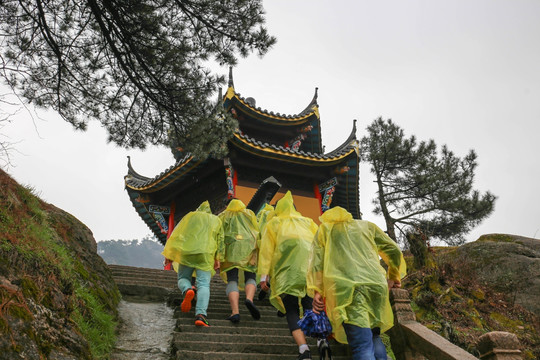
(262, 295)
(235, 319)
(280, 314)
(306, 355)
(255, 313)
(324, 350)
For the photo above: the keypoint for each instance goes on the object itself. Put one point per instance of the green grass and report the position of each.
(386, 341)
(96, 324)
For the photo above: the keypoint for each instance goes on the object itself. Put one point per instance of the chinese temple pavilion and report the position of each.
(269, 154)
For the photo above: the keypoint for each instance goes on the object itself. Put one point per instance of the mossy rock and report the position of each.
(448, 296)
(478, 294)
(497, 238)
(502, 261)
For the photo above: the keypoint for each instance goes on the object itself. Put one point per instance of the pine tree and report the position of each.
(137, 66)
(421, 192)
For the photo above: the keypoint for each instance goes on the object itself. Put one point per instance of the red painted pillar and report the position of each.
(318, 196)
(235, 182)
(169, 231)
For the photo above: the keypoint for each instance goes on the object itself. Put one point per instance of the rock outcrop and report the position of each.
(509, 264)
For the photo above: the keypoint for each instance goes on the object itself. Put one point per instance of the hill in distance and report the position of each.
(140, 253)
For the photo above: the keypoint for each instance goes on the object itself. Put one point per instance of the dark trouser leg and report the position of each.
(307, 303)
(292, 311)
(378, 347)
(360, 341)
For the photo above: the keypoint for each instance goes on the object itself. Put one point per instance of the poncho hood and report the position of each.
(285, 206)
(335, 215)
(205, 207)
(236, 205)
(267, 208)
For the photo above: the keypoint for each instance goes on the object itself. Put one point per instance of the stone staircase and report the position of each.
(265, 339)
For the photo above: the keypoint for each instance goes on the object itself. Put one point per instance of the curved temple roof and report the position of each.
(312, 110)
(138, 182)
(308, 117)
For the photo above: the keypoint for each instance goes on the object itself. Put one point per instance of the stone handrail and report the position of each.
(413, 341)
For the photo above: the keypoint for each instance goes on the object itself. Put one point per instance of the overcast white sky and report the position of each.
(464, 73)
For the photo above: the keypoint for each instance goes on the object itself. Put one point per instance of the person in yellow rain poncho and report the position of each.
(240, 253)
(195, 244)
(284, 255)
(263, 216)
(345, 271)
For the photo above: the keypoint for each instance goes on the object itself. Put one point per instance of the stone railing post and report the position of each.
(403, 313)
(499, 345)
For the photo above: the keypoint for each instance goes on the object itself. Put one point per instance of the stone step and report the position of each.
(224, 310)
(145, 275)
(265, 311)
(223, 316)
(144, 279)
(149, 282)
(217, 298)
(199, 355)
(230, 329)
(145, 272)
(231, 338)
(257, 325)
(207, 355)
(241, 346)
(259, 338)
(117, 269)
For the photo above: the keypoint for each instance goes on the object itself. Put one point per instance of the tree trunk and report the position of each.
(390, 230)
(419, 249)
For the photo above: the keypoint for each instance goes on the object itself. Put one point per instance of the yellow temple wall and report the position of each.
(307, 205)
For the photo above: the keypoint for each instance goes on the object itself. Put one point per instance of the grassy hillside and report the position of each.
(58, 299)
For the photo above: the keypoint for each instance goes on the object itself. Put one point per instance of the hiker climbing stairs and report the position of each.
(265, 339)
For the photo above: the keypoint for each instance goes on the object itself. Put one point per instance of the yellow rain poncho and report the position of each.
(345, 269)
(196, 240)
(264, 215)
(241, 232)
(284, 251)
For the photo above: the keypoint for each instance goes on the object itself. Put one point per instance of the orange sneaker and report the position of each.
(186, 303)
(200, 320)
